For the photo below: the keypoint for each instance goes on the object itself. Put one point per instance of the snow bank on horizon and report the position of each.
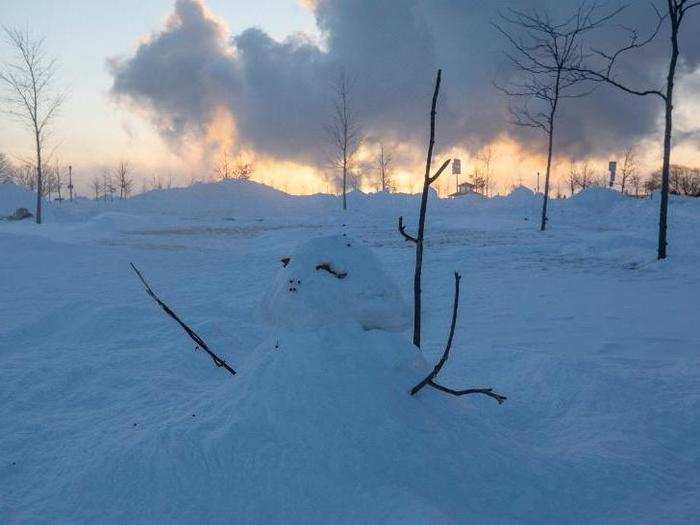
(234, 199)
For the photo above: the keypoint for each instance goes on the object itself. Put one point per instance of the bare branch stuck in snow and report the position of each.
(193, 335)
(420, 235)
(430, 378)
(402, 231)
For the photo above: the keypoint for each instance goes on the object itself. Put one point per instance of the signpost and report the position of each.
(456, 171)
(612, 166)
(70, 182)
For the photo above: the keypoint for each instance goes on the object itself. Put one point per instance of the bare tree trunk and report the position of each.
(543, 225)
(421, 220)
(345, 180)
(552, 114)
(418, 239)
(665, 171)
(382, 167)
(39, 176)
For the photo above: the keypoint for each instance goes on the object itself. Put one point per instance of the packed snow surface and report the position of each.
(108, 414)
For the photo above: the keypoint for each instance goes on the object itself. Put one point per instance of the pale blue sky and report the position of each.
(82, 34)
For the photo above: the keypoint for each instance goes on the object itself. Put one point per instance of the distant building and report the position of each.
(465, 188)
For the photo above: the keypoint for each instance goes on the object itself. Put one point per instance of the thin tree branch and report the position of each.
(485, 391)
(429, 380)
(402, 231)
(446, 353)
(193, 335)
(439, 171)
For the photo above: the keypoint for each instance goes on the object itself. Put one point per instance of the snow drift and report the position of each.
(317, 426)
(107, 414)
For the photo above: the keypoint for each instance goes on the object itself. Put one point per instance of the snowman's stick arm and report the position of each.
(430, 378)
(193, 335)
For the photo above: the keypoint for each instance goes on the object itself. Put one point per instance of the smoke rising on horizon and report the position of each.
(277, 92)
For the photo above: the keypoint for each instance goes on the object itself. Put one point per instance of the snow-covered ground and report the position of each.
(108, 415)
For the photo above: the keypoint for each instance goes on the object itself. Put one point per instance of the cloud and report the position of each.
(278, 91)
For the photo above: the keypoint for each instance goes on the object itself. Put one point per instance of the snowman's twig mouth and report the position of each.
(328, 268)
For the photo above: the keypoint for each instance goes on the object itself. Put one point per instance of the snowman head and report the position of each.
(334, 279)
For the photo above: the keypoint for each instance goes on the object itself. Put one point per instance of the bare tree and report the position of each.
(418, 239)
(355, 176)
(223, 167)
(690, 182)
(29, 80)
(479, 180)
(585, 176)
(124, 181)
(58, 181)
(635, 181)
(344, 132)
(683, 180)
(384, 166)
(96, 186)
(544, 54)
(108, 187)
(485, 157)
(573, 177)
(156, 184)
(629, 167)
(652, 184)
(7, 172)
(243, 170)
(227, 169)
(48, 182)
(674, 12)
(25, 175)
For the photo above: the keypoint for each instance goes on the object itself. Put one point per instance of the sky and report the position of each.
(82, 34)
(169, 86)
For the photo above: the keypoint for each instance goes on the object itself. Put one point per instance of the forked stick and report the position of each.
(430, 378)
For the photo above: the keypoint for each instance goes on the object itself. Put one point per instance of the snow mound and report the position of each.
(332, 279)
(521, 194)
(231, 198)
(13, 197)
(597, 199)
(317, 427)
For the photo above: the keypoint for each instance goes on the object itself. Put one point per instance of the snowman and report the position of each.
(318, 424)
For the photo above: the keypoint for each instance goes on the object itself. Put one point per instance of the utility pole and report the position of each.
(70, 182)
(538, 182)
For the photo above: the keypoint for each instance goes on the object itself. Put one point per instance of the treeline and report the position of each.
(54, 183)
(683, 180)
